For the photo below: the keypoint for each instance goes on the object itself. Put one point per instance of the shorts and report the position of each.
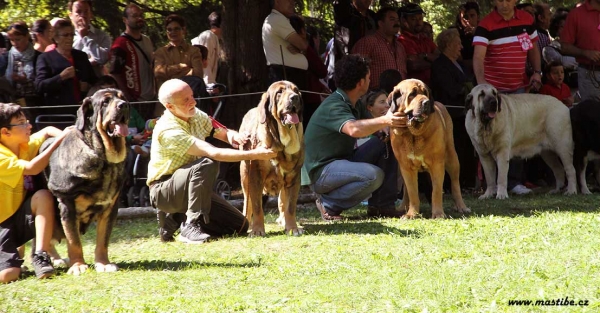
(15, 232)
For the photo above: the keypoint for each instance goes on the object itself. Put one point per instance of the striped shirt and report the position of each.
(507, 44)
(171, 139)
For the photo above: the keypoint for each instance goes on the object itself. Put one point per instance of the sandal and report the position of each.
(324, 215)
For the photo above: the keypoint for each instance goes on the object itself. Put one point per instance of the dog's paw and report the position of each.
(257, 233)
(60, 263)
(554, 191)
(570, 191)
(280, 221)
(106, 268)
(436, 215)
(463, 210)
(295, 231)
(585, 191)
(502, 195)
(411, 215)
(487, 195)
(77, 268)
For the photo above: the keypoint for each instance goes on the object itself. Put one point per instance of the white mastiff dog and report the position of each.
(521, 125)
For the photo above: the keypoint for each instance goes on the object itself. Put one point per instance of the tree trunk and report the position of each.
(245, 63)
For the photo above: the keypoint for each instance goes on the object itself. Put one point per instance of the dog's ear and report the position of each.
(392, 98)
(83, 113)
(301, 109)
(499, 98)
(263, 107)
(428, 106)
(429, 95)
(468, 103)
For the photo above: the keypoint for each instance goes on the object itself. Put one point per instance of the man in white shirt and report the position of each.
(284, 48)
(89, 39)
(210, 39)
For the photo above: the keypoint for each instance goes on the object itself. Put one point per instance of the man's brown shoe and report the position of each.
(324, 215)
(383, 212)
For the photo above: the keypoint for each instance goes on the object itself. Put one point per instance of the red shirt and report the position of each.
(383, 54)
(561, 93)
(582, 29)
(507, 44)
(417, 44)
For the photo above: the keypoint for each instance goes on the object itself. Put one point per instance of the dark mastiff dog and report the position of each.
(585, 122)
(86, 173)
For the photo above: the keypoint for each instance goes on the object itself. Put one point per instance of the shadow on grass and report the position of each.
(160, 265)
(526, 205)
(367, 227)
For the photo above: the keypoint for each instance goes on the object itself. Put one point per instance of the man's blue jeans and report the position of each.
(373, 169)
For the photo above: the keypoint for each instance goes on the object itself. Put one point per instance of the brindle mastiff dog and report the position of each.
(86, 173)
(277, 124)
(427, 144)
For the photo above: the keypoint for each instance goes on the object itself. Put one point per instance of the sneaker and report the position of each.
(520, 190)
(42, 265)
(324, 214)
(168, 224)
(383, 212)
(192, 233)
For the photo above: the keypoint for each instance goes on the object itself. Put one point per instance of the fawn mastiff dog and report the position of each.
(427, 144)
(519, 125)
(277, 124)
(86, 173)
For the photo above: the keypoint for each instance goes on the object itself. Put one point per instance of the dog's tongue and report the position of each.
(491, 114)
(292, 118)
(121, 129)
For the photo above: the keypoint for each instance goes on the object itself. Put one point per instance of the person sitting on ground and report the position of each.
(183, 169)
(341, 176)
(555, 85)
(24, 215)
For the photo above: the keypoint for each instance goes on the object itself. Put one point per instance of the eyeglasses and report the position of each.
(23, 125)
(173, 30)
(67, 35)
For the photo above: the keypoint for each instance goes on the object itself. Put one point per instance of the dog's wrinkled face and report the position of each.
(485, 102)
(283, 102)
(413, 98)
(107, 111)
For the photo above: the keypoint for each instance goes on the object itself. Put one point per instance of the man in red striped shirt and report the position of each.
(503, 42)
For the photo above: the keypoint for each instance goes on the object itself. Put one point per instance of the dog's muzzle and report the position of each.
(118, 127)
(290, 117)
(490, 109)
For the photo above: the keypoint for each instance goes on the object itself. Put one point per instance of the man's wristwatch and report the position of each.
(538, 72)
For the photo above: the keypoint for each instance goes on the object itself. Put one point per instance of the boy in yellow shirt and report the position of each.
(24, 216)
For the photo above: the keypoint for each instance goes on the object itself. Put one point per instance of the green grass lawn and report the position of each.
(525, 248)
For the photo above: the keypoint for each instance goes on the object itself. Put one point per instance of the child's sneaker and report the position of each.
(42, 265)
